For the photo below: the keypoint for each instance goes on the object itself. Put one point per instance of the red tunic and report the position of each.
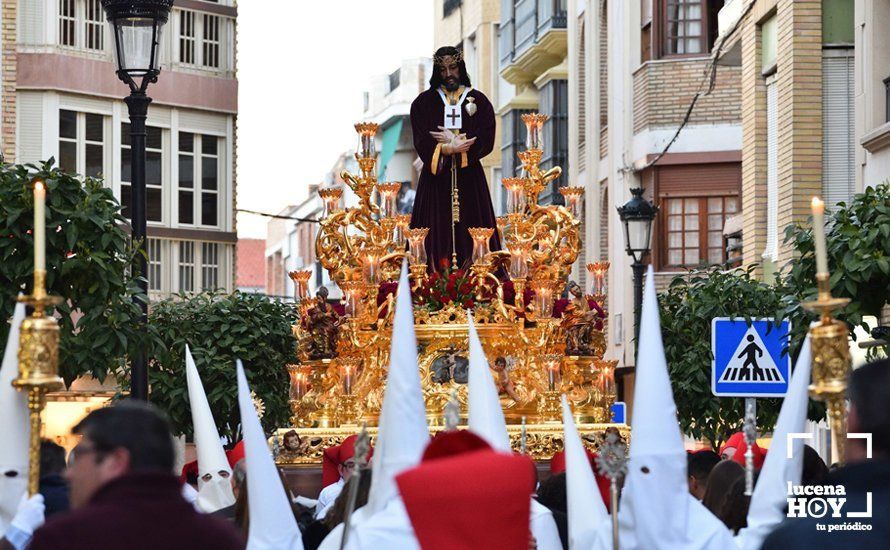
(432, 205)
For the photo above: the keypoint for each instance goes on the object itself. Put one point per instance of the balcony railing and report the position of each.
(526, 23)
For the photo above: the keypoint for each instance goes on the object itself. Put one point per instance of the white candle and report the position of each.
(39, 226)
(819, 235)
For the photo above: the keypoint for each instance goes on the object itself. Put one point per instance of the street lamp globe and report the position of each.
(637, 215)
(137, 26)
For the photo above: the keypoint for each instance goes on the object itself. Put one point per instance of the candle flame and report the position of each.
(817, 205)
(38, 185)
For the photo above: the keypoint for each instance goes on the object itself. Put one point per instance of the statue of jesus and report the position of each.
(454, 127)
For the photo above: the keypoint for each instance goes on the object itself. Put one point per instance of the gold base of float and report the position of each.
(542, 440)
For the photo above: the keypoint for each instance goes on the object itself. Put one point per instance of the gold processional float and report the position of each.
(338, 381)
(539, 345)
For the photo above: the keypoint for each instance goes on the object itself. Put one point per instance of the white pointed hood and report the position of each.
(486, 419)
(586, 510)
(403, 433)
(485, 416)
(770, 495)
(14, 425)
(272, 522)
(656, 478)
(216, 492)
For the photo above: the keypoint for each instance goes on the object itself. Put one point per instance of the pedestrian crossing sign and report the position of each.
(749, 361)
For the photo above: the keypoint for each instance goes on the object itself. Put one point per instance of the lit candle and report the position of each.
(39, 226)
(819, 235)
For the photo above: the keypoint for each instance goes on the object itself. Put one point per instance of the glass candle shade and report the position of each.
(598, 272)
(501, 222)
(371, 265)
(417, 245)
(388, 194)
(543, 290)
(366, 147)
(348, 371)
(515, 195)
(534, 123)
(481, 236)
(519, 253)
(353, 293)
(573, 196)
(301, 284)
(551, 363)
(298, 380)
(399, 235)
(331, 198)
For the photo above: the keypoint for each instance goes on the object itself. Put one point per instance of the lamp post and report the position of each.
(637, 215)
(136, 26)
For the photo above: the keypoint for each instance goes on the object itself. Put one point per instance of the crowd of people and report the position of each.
(459, 489)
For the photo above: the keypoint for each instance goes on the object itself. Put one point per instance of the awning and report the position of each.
(390, 141)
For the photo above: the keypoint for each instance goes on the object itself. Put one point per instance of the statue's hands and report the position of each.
(461, 144)
(443, 136)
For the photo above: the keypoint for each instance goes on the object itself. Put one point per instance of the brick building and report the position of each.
(62, 99)
(798, 94)
(633, 69)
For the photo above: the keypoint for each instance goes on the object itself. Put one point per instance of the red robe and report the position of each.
(432, 205)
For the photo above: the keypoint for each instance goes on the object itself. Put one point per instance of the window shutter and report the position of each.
(772, 172)
(838, 168)
(582, 98)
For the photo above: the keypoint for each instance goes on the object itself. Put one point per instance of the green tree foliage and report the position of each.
(88, 259)
(220, 328)
(687, 308)
(858, 247)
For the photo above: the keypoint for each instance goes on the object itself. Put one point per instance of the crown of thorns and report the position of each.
(450, 58)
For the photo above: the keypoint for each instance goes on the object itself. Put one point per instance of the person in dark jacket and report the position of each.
(52, 485)
(124, 493)
(868, 389)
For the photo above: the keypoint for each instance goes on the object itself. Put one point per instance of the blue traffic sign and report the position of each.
(749, 361)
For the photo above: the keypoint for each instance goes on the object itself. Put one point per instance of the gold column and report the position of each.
(38, 366)
(829, 341)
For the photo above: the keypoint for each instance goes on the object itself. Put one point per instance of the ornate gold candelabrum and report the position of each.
(362, 248)
(38, 366)
(829, 342)
(599, 272)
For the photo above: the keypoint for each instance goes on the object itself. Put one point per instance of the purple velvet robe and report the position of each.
(432, 205)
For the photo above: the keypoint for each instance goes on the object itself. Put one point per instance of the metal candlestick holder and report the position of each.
(38, 366)
(829, 341)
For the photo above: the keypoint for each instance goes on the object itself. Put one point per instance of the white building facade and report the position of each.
(68, 105)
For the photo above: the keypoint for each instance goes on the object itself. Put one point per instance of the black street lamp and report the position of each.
(637, 215)
(136, 26)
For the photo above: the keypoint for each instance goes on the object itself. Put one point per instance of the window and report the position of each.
(200, 41)
(684, 27)
(94, 26)
(554, 101)
(154, 174)
(154, 264)
(887, 99)
(448, 7)
(209, 266)
(211, 41)
(198, 162)
(82, 24)
(187, 37)
(82, 143)
(67, 23)
(838, 123)
(394, 79)
(694, 229)
(186, 266)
